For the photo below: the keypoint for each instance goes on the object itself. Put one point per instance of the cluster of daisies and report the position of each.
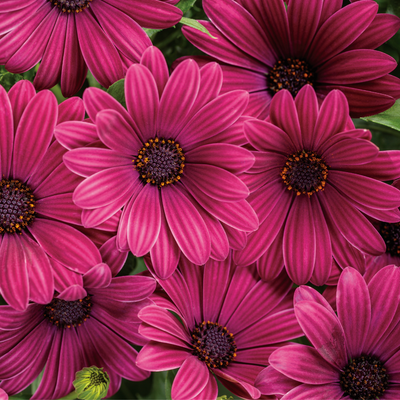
(235, 176)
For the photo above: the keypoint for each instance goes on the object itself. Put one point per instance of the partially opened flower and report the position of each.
(264, 47)
(38, 218)
(171, 161)
(80, 327)
(313, 180)
(355, 355)
(68, 36)
(231, 321)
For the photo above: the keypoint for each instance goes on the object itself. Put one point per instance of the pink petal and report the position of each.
(269, 381)
(98, 276)
(34, 134)
(331, 391)
(75, 134)
(14, 272)
(7, 126)
(65, 244)
(105, 187)
(165, 252)
(115, 132)
(324, 331)
(161, 357)
(191, 234)
(302, 370)
(74, 69)
(154, 60)
(145, 220)
(20, 95)
(299, 241)
(177, 100)
(340, 30)
(191, 379)
(142, 100)
(41, 282)
(71, 109)
(354, 309)
(99, 47)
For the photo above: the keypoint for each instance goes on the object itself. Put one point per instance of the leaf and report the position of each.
(169, 379)
(196, 25)
(186, 5)
(390, 118)
(117, 91)
(151, 32)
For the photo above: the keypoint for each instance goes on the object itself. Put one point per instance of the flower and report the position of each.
(80, 327)
(264, 48)
(91, 383)
(231, 322)
(38, 235)
(68, 36)
(171, 161)
(314, 178)
(355, 355)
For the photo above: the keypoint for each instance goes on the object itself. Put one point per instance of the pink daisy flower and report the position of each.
(355, 355)
(232, 321)
(264, 47)
(314, 178)
(38, 218)
(79, 327)
(68, 36)
(171, 161)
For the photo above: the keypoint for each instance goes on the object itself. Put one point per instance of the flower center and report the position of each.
(160, 162)
(290, 74)
(391, 235)
(17, 206)
(305, 172)
(68, 6)
(213, 344)
(66, 314)
(364, 378)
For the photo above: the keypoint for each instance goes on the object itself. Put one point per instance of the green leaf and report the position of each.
(390, 118)
(151, 32)
(196, 25)
(168, 382)
(117, 91)
(186, 5)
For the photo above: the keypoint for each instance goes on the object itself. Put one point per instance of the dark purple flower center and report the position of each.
(213, 344)
(305, 173)
(74, 6)
(364, 378)
(160, 162)
(391, 235)
(66, 314)
(17, 206)
(291, 74)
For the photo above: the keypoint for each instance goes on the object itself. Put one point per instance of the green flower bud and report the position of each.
(91, 383)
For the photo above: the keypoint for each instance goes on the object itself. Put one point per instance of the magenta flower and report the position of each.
(79, 328)
(232, 321)
(37, 216)
(355, 355)
(264, 48)
(68, 36)
(314, 178)
(169, 162)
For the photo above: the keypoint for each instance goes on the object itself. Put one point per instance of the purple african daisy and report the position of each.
(68, 36)
(355, 355)
(80, 327)
(171, 161)
(231, 322)
(314, 178)
(38, 218)
(264, 47)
